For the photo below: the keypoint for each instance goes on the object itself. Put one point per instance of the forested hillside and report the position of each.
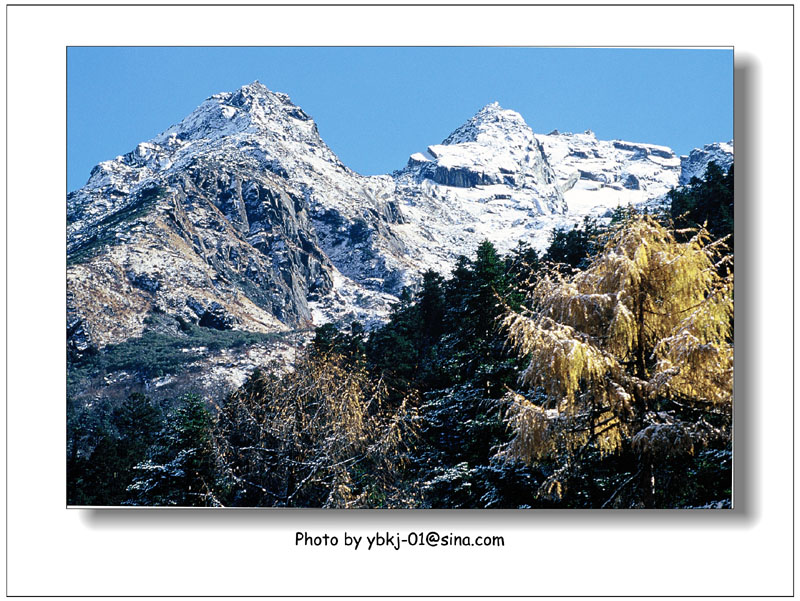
(598, 374)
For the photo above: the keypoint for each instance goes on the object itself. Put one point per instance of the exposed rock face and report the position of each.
(196, 244)
(695, 164)
(78, 339)
(216, 317)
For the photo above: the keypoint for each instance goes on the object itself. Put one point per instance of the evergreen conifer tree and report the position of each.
(181, 468)
(706, 202)
(573, 247)
(110, 467)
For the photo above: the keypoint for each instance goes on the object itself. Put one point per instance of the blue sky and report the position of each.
(376, 106)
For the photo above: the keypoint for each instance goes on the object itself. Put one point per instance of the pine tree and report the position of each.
(394, 351)
(136, 426)
(522, 266)
(572, 248)
(630, 355)
(181, 469)
(706, 202)
(431, 307)
(490, 284)
(474, 299)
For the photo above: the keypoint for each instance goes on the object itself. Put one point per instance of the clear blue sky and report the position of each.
(376, 106)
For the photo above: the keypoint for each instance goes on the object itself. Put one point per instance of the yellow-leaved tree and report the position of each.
(317, 435)
(632, 355)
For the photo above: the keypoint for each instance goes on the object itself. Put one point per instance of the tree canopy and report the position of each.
(313, 436)
(617, 352)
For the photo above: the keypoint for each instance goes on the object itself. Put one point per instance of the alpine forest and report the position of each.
(597, 373)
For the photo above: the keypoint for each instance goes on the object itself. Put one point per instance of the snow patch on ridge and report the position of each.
(696, 163)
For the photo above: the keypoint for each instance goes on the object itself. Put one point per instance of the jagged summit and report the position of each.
(490, 124)
(253, 108)
(267, 124)
(249, 90)
(489, 179)
(256, 87)
(494, 148)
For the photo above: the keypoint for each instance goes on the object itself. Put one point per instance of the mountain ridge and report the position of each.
(240, 216)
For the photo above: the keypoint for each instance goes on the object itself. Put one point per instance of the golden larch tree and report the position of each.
(620, 352)
(317, 435)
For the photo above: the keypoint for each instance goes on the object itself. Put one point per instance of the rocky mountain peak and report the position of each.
(256, 89)
(263, 104)
(252, 109)
(495, 147)
(489, 179)
(491, 125)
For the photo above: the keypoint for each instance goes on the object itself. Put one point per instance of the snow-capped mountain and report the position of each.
(495, 150)
(489, 179)
(240, 216)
